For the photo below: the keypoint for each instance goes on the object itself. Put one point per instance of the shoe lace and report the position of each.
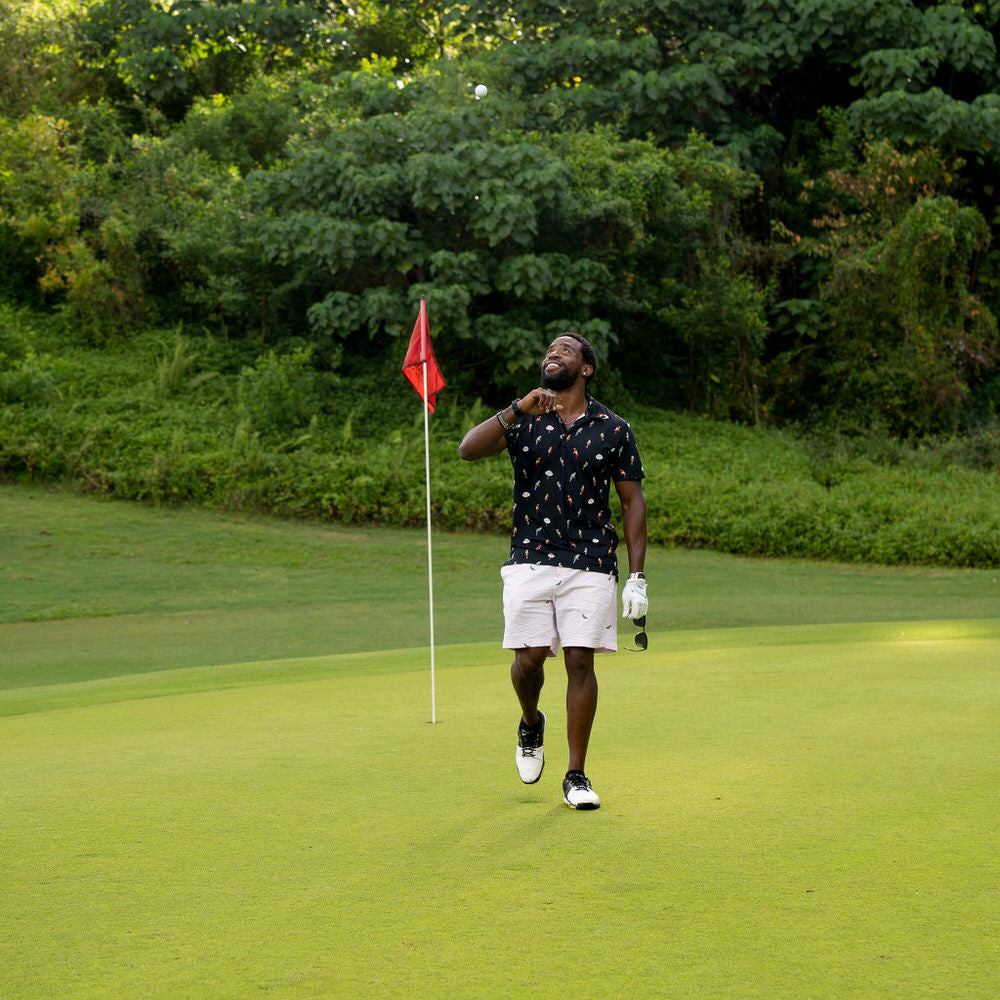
(580, 782)
(529, 742)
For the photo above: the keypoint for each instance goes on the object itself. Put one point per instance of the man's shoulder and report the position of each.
(599, 411)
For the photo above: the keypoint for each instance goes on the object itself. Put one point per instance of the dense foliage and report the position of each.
(166, 419)
(774, 212)
(783, 209)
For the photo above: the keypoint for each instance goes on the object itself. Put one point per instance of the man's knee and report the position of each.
(579, 661)
(530, 660)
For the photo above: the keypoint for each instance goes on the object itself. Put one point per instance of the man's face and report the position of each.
(562, 364)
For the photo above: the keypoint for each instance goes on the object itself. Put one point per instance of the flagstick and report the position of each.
(430, 570)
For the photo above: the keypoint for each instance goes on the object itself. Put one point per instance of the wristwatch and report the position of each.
(518, 412)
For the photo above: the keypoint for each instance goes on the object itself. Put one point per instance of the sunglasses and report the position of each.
(641, 640)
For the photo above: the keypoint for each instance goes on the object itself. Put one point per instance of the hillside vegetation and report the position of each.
(775, 222)
(168, 421)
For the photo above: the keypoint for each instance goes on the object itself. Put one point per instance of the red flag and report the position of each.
(418, 353)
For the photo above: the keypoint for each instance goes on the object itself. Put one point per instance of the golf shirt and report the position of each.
(562, 483)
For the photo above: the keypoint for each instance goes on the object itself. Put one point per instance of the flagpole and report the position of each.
(420, 352)
(430, 569)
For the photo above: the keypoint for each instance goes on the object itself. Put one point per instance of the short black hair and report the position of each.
(586, 349)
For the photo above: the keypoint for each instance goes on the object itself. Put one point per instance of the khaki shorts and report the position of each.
(550, 605)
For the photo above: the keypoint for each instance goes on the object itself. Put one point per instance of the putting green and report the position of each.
(788, 812)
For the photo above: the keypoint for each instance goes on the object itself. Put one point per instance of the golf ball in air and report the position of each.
(481, 90)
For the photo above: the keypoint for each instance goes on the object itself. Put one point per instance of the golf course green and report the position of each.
(220, 780)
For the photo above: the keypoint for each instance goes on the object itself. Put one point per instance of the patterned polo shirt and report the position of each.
(562, 485)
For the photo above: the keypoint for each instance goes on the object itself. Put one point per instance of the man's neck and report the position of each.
(573, 401)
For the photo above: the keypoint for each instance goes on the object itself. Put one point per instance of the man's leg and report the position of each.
(527, 674)
(581, 702)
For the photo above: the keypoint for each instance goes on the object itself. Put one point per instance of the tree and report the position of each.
(38, 46)
(750, 73)
(697, 185)
(512, 236)
(904, 339)
(44, 200)
(166, 54)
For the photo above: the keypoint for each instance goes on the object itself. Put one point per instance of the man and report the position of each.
(560, 582)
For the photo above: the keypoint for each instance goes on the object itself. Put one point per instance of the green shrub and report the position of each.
(279, 393)
(141, 421)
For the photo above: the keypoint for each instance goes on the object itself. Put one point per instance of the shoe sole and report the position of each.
(583, 805)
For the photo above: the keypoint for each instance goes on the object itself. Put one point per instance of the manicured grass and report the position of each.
(788, 812)
(95, 589)
(219, 779)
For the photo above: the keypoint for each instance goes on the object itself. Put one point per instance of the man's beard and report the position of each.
(557, 381)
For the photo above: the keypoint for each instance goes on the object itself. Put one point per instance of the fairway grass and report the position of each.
(219, 778)
(789, 812)
(93, 589)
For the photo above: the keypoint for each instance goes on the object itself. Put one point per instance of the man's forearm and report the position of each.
(634, 525)
(487, 438)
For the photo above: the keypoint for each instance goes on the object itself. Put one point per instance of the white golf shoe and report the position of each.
(530, 754)
(577, 792)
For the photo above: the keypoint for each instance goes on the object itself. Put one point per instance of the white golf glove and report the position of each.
(634, 603)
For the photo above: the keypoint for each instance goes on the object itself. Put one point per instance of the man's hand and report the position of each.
(634, 602)
(538, 401)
